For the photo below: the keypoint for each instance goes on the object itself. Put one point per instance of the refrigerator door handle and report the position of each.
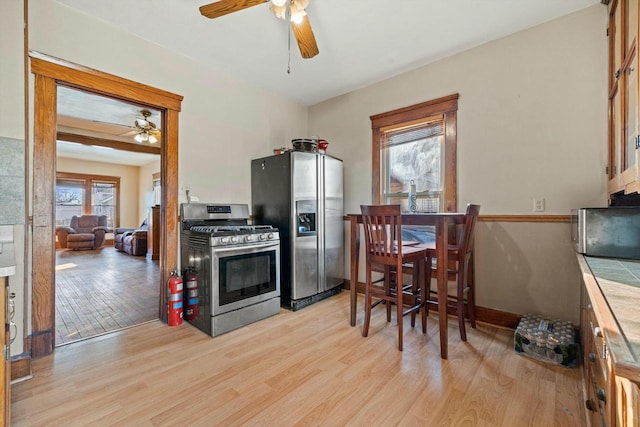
(322, 279)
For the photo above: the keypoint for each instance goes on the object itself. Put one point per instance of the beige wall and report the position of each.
(531, 123)
(527, 268)
(12, 70)
(129, 184)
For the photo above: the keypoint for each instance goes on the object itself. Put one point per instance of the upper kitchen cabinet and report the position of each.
(624, 139)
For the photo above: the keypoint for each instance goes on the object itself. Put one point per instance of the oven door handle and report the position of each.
(247, 248)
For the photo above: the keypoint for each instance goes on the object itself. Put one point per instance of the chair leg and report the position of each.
(460, 307)
(471, 296)
(399, 304)
(367, 303)
(387, 290)
(415, 286)
(425, 281)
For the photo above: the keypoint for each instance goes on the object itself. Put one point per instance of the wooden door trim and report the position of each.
(109, 143)
(49, 73)
(84, 78)
(445, 107)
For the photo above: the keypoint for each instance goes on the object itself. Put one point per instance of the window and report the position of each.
(103, 200)
(412, 159)
(157, 188)
(78, 194)
(416, 144)
(69, 201)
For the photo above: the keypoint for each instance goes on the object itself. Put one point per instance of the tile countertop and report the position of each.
(619, 282)
(7, 252)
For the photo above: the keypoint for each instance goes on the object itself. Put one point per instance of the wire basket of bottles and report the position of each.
(552, 341)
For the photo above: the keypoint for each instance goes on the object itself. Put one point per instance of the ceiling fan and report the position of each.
(294, 9)
(142, 130)
(147, 130)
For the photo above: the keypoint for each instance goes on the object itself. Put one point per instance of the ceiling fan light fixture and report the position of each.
(141, 123)
(297, 18)
(279, 11)
(297, 13)
(147, 130)
(293, 10)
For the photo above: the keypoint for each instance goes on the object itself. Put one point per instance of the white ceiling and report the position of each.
(360, 41)
(93, 115)
(107, 115)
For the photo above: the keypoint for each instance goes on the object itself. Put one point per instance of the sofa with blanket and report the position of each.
(130, 240)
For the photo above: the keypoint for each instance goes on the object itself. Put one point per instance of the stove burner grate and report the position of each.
(240, 229)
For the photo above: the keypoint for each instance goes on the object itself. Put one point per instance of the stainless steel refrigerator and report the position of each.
(301, 193)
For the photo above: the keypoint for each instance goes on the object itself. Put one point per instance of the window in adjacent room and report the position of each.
(80, 194)
(157, 188)
(103, 200)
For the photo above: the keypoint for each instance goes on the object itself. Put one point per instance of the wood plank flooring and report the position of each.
(297, 368)
(103, 290)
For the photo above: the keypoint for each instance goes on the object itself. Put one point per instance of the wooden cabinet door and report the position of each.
(616, 57)
(5, 364)
(630, 82)
(588, 361)
(628, 403)
(623, 97)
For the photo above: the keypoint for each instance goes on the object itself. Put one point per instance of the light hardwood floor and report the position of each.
(297, 368)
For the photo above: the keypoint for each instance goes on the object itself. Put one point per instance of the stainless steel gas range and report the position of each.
(237, 264)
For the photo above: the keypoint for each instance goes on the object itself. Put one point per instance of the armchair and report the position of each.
(84, 232)
(131, 241)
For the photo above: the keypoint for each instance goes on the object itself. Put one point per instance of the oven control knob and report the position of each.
(233, 239)
(248, 238)
(224, 240)
(270, 236)
(263, 236)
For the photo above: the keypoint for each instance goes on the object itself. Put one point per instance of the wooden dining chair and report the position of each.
(460, 270)
(383, 240)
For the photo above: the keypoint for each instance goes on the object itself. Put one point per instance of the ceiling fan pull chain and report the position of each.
(289, 58)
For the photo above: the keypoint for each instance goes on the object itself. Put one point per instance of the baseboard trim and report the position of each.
(21, 367)
(486, 315)
(41, 343)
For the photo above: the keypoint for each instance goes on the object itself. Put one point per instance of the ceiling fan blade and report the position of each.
(306, 39)
(129, 133)
(110, 123)
(224, 7)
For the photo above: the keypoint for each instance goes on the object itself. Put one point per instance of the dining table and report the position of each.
(443, 223)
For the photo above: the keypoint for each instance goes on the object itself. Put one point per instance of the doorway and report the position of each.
(50, 73)
(110, 284)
